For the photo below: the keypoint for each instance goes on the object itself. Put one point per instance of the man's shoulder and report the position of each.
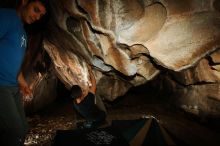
(9, 18)
(6, 13)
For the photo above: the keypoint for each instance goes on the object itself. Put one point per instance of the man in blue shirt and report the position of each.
(13, 42)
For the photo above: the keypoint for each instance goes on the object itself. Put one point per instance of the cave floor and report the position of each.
(61, 116)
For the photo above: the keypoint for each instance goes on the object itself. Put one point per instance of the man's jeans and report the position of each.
(13, 124)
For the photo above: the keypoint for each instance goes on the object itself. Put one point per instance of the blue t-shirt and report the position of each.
(13, 42)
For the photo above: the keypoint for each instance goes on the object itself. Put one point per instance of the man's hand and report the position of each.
(24, 88)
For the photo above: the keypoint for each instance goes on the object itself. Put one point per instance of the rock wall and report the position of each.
(127, 43)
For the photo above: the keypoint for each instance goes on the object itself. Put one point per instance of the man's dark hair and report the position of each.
(44, 2)
(75, 92)
(16, 3)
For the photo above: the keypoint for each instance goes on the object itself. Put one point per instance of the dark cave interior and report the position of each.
(187, 124)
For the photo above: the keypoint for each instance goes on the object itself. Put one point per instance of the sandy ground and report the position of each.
(61, 116)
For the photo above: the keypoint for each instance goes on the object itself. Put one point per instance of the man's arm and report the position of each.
(93, 81)
(24, 88)
(92, 87)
